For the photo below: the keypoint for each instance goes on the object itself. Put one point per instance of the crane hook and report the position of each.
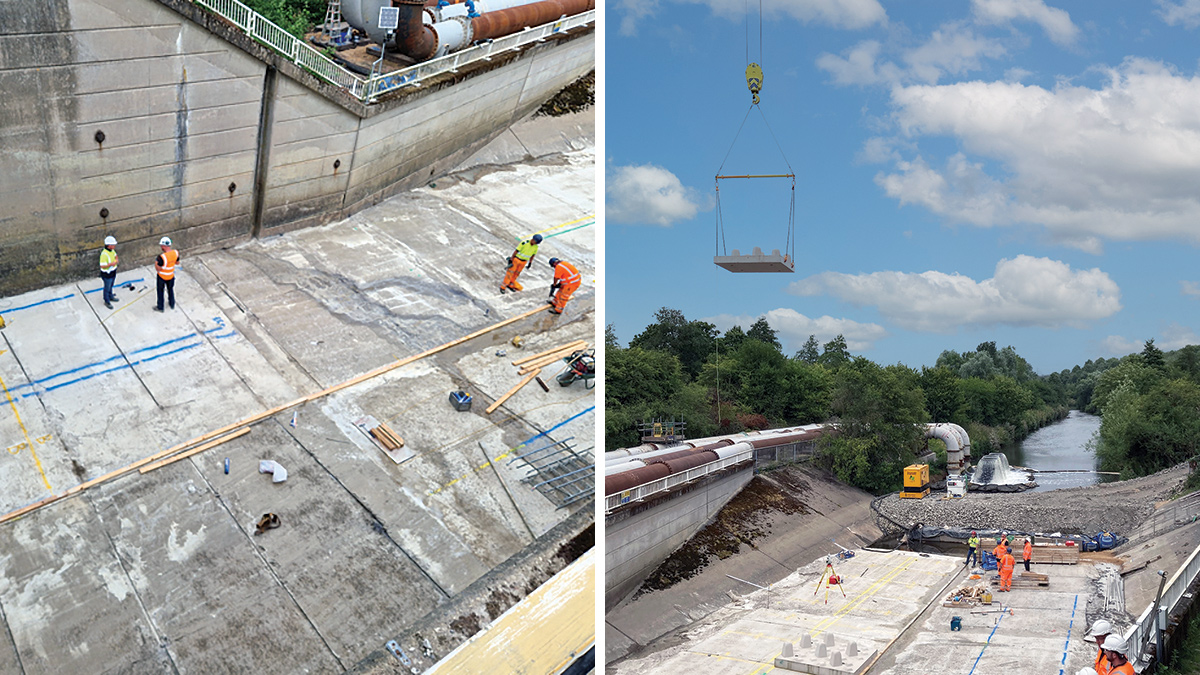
(754, 80)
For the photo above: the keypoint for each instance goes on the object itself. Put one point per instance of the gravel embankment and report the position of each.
(1117, 507)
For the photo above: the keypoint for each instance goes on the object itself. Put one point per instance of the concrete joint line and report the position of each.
(119, 350)
(507, 492)
(263, 332)
(366, 508)
(265, 563)
(12, 640)
(158, 636)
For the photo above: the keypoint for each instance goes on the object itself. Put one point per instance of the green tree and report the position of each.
(610, 337)
(690, 341)
(809, 353)
(835, 353)
(761, 330)
(944, 398)
(807, 393)
(1153, 357)
(880, 412)
(732, 340)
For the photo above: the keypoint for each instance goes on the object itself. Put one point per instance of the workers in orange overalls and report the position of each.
(1101, 630)
(1007, 563)
(566, 280)
(521, 256)
(1027, 554)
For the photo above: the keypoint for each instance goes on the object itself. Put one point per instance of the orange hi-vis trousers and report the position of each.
(510, 277)
(564, 294)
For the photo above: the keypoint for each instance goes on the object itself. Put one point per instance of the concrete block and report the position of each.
(756, 262)
(124, 76)
(35, 18)
(222, 143)
(100, 107)
(124, 43)
(787, 650)
(227, 91)
(100, 14)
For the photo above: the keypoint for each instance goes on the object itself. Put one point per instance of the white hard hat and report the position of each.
(1116, 643)
(1086, 671)
(110, 241)
(165, 241)
(1101, 627)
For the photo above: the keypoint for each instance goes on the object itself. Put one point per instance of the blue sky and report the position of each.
(1020, 171)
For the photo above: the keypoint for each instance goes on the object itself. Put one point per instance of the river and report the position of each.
(1062, 446)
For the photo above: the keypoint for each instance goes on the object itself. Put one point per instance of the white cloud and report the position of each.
(858, 65)
(1024, 291)
(1055, 22)
(848, 14)
(1186, 13)
(1191, 288)
(649, 194)
(1120, 162)
(632, 12)
(1115, 345)
(1176, 336)
(954, 50)
(793, 328)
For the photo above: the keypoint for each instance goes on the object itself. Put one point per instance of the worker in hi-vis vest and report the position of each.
(108, 269)
(1027, 554)
(1101, 630)
(1007, 563)
(1116, 649)
(566, 280)
(520, 257)
(165, 264)
(972, 549)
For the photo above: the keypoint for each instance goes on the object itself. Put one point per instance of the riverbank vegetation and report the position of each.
(720, 383)
(1149, 406)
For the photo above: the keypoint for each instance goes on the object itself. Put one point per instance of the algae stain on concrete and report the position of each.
(180, 552)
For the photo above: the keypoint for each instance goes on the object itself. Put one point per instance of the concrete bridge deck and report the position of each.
(162, 572)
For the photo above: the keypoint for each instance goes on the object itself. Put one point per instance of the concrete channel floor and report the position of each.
(893, 604)
(162, 572)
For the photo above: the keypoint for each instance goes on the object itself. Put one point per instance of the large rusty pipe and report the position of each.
(414, 38)
(506, 21)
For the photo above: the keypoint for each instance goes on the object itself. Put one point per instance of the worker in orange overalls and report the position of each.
(566, 280)
(521, 256)
(165, 264)
(1027, 554)
(1007, 563)
(1101, 630)
(1117, 650)
(998, 552)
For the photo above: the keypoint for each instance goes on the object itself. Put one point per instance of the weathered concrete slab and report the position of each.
(69, 600)
(203, 579)
(367, 547)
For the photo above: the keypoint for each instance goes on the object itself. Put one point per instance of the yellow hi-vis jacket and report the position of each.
(526, 250)
(108, 261)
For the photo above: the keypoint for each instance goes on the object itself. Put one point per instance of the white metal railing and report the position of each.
(414, 75)
(1143, 630)
(306, 56)
(641, 492)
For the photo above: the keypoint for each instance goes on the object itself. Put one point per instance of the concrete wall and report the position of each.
(186, 106)
(637, 543)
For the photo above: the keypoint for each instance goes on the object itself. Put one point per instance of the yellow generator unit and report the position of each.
(916, 482)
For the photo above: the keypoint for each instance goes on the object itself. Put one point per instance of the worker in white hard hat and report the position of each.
(108, 269)
(1086, 671)
(165, 264)
(1101, 630)
(1117, 650)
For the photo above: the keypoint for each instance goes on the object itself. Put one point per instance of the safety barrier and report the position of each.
(306, 56)
(1142, 631)
(641, 492)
